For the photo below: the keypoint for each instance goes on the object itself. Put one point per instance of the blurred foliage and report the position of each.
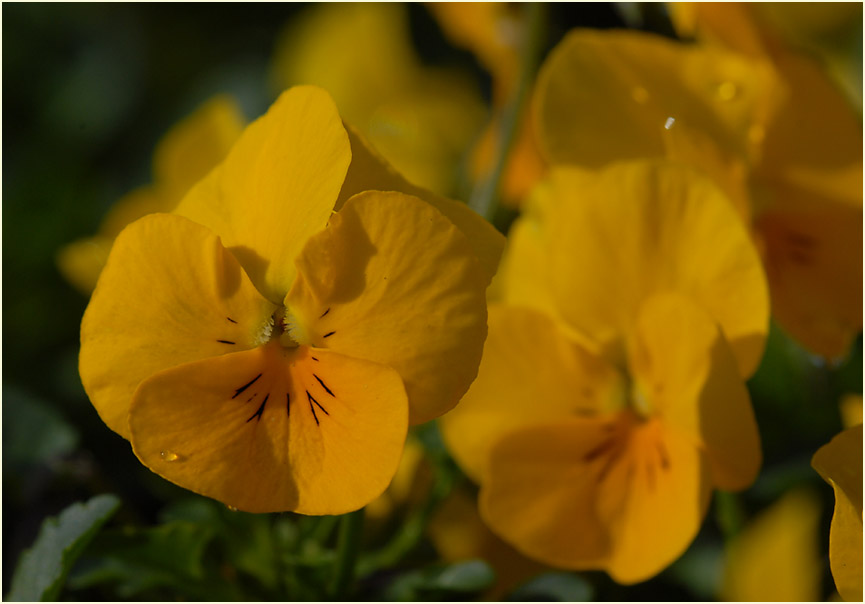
(89, 89)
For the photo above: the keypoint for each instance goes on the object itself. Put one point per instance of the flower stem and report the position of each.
(348, 545)
(484, 197)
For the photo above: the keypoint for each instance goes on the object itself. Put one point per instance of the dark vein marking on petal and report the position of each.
(226, 342)
(252, 397)
(327, 335)
(323, 385)
(324, 313)
(314, 359)
(287, 403)
(244, 387)
(260, 410)
(232, 320)
(311, 408)
(312, 400)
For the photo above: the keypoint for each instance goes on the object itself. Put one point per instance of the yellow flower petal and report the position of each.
(840, 464)
(276, 188)
(567, 495)
(274, 429)
(391, 280)
(369, 171)
(620, 235)
(195, 145)
(169, 294)
(774, 559)
(686, 373)
(530, 372)
(606, 95)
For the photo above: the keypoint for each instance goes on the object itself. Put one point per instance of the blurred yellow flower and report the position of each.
(422, 119)
(259, 348)
(184, 156)
(840, 464)
(409, 486)
(769, 127)
(610, 400)
(496, 33)
(851, 410)
(775, 558)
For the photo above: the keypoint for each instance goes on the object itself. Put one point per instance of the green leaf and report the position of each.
(137, 560)
(554, 587)
(43, 568)
(439, 582)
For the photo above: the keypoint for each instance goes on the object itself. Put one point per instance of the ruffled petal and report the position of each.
(530, 372)
(369, 171)
(686, 373)
(169, 294)
(393, 281)
(617, 236)
(276, 188)
(840, 464)
(274, 429)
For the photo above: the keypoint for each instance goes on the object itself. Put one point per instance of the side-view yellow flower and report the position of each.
(769, 127)
(775, 557)
(840, 464)
(261, 349)
(610, 400)
(419, 117)
(182, 157)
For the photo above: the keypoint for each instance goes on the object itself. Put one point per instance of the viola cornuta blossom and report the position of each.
(260, 348)
(840, 464)
(610, 401)
(765, 123)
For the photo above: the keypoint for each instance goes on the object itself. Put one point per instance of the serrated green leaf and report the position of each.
(42, 569)
(553, 587)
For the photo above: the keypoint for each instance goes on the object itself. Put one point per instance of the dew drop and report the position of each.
(169, 456)
(231, 508)
(727, 91)
(669, 123)
(640, 94)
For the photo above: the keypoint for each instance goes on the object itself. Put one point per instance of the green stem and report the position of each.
(348, 545)
(484, 197)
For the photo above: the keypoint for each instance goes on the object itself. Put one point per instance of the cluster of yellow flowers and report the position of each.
(270, 335)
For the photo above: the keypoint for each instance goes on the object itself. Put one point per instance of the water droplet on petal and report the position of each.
(727, 91)
(169, 456)
(640, 94)
(231, 508)
(669, 123)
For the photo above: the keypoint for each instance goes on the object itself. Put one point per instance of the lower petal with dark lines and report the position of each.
(274, 429)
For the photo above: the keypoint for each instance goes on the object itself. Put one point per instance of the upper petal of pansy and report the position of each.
(840, 464)
(614, 494)
(274, 429)
(276, 188)
(195, 145)
(530, 372)
(169, 294)
(393, 281)
(686, 374)
(369, 171)
(619, 235)
(606, 96)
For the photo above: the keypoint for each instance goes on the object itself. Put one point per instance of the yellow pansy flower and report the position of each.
(840, 464)
(610, 400)
(775, 557)
(182, 157)
(769, 127)
(259, 347)
(420, 118)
